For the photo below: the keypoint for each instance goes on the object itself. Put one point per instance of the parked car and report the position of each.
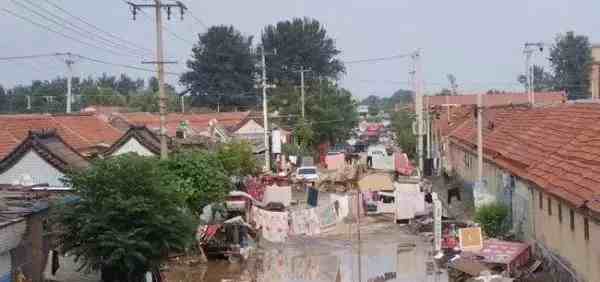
(307, 173)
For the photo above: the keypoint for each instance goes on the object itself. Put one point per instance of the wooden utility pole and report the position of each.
(160, 63)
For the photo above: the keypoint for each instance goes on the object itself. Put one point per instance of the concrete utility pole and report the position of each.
(416, 56)
(162, 98)
(302, 70)
(69, 61)
(264, 86)
(479, 138)
(528, 51)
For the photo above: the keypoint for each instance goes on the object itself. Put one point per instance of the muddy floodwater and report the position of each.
(387, 252)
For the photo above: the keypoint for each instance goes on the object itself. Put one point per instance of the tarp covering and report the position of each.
(335, 161)
(376, 182)
(403, 164)
(278, 194)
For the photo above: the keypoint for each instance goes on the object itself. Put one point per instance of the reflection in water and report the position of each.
(384, 263)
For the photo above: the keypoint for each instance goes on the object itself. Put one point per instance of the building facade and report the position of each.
(541, 163)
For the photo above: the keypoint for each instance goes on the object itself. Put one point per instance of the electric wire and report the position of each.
(42, 26)
(130, 43)
(60, 22)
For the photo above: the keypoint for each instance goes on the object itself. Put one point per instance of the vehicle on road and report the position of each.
(307, 173)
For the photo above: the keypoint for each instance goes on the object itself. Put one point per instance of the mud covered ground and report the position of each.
(387, 253)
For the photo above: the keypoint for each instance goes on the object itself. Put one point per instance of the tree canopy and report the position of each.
(222, 64)
(49, 96)
(126, 220)
(301, 42)
(402, 122)
(199, 177)
(571, 59)
(542, 80)
(237, 158)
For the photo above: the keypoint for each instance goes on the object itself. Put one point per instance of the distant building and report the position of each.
(139, 140)
(363, 110)
(86, 133)
(595, 72)
(42, 158)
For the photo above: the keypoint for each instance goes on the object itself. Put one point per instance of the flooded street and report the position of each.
(387, 253)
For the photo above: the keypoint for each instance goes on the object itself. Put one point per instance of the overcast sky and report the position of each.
(480, 42)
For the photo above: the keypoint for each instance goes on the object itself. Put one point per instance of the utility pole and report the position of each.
(162, 98)
(479, 139)
(416, 56)
(264, 86)
(69, 61)
(528, 51)
(302, 70)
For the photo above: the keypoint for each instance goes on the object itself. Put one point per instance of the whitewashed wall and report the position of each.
(36, 167)
(133, 146)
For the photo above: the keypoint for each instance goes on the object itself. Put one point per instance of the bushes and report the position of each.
(126, 221)
(492, 218)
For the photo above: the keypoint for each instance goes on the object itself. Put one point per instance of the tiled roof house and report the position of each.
(84, 132)
(544, 162)
(43, 157)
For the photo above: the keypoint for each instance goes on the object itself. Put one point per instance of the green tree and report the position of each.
(402, 122)
(237, 158)
(126, 85)
(126, 220)
(373, 109)
(198, 176)
(222, 63)
(571, 59)
(542, 80)
(492, 218)
(332, 114)
(301, 42)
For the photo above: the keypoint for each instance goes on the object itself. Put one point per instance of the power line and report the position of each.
(198, 20)
(58, 7)
(380, 59)
(29, 57)
(65, 24)
(14, 58)
(42, 26)
(122, 65)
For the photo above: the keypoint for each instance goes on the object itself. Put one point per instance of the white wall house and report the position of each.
(43, 157)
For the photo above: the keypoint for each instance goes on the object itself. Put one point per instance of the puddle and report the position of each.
(324, 260)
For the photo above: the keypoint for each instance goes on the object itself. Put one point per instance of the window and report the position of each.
(572, 219)
(586, 228)
(549, 206)
(541, 200)
(559, 212)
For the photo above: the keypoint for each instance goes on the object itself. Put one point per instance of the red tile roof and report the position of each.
(80, 131)
(196, 122)
(490, 100)
(450, 118)
(557, 148)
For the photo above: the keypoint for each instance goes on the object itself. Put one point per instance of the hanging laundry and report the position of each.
(299, 220)
(343, 208)
(327, 216)
(274, 225)
(313, 197)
